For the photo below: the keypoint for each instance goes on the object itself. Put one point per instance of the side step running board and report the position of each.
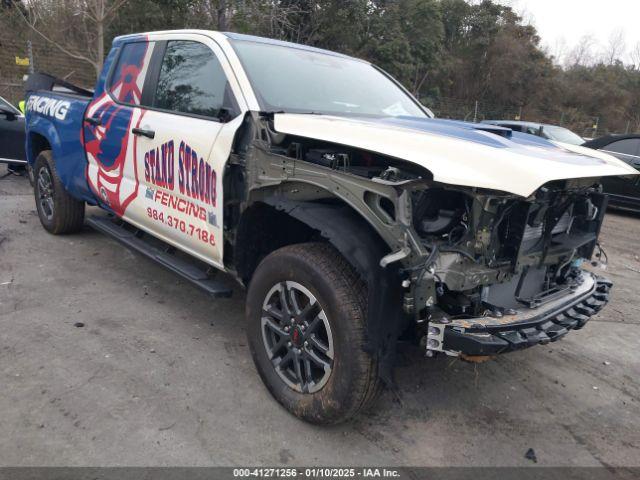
(135, 241)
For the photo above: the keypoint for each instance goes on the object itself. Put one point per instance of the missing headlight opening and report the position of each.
(501, 257)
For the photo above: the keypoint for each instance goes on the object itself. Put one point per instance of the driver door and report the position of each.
(179, 150)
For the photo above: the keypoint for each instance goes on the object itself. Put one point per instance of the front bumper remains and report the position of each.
(487, 336)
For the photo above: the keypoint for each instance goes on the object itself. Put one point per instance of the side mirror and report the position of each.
(225, 115)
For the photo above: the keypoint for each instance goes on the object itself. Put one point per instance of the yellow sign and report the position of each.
(23, 62)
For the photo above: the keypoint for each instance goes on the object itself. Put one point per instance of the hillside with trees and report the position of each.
(463, 59)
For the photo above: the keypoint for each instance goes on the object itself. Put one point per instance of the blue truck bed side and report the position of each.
(61, 128)
(57, 119)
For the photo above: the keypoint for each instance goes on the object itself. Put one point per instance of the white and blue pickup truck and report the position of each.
(350, 214)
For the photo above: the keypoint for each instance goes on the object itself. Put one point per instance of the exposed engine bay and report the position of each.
(462, 253)
(496, 253)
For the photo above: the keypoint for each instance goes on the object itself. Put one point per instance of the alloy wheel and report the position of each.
(45, 192)
(297, 337)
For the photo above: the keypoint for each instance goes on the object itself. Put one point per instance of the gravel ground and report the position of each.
(160, 374)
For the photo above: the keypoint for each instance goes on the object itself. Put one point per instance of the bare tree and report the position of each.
(582, 53)
(223, 24)
(616, 47)
(635, 56)
(75, 27)
(280, 20)
(559, 50)
(217, 13)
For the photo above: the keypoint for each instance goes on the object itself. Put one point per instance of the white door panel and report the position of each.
(180, 186)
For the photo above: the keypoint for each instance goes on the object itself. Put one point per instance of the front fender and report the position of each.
(363, 248)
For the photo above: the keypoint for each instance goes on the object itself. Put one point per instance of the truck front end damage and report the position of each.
(480, 271)
(505, 273)
(494, 272)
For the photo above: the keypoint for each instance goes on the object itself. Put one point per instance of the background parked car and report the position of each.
(550, 132)
(624, 192)
(12, 136)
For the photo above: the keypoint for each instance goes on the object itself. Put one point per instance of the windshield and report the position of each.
(301, 81)
(560, 134)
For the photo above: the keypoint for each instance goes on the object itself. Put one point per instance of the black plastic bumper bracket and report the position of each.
(548, 327)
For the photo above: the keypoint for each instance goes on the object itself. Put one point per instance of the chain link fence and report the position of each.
(20, 55)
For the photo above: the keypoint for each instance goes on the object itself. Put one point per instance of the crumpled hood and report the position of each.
(459, 153)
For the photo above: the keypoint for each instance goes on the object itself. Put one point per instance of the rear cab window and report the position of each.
(128, 77)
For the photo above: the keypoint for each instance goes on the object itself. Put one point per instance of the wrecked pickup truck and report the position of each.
(352, 217)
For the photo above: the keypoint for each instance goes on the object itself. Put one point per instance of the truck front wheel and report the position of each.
(59, 212)
(306, 309)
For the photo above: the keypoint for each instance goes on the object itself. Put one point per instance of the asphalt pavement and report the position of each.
(108, 359)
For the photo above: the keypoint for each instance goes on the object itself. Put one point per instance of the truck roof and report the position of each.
(236, 36)
(271, 41)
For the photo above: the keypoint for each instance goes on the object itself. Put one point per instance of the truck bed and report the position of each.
(56, 118)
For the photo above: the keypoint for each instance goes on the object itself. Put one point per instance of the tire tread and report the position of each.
(69, 213)
(351, 293)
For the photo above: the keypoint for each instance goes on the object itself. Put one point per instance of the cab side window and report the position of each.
(129, 73)
(192, 81)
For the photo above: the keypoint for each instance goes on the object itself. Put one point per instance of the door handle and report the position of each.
(143, 132)
(96, 121)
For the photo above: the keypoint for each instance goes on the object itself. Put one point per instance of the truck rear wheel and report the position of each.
(59, 212)
(306, 309)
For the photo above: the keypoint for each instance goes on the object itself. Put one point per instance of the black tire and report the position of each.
(58, 211)
(353, 380)
(30, 176)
